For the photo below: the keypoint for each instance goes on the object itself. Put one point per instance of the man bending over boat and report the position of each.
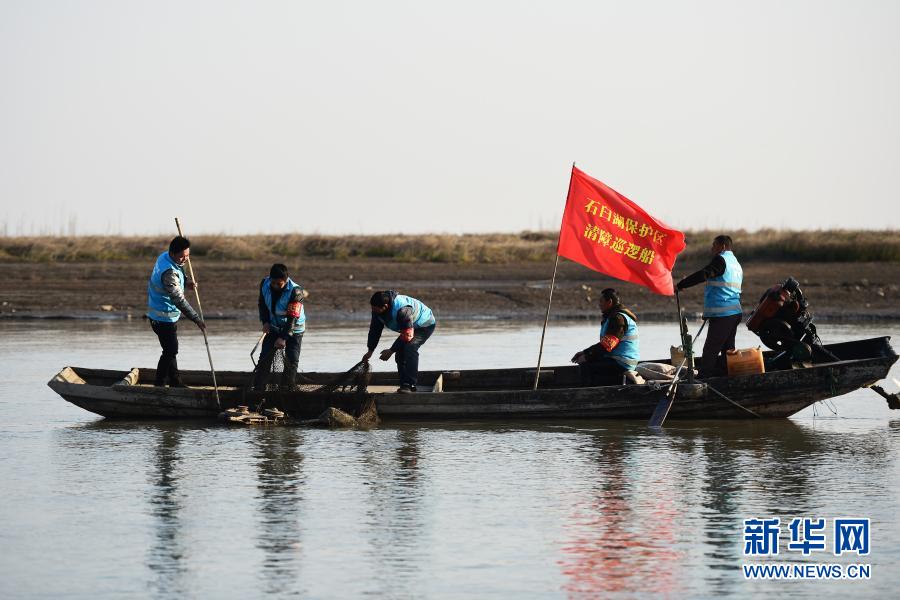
(165, 303)
(618, 351)
(412, 320)
(283, 321)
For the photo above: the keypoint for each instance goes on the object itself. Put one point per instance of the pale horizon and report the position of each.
(354, 118)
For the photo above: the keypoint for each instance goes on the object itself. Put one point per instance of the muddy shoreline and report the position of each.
(339, 289)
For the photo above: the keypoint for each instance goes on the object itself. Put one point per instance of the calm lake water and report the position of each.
(99, 509)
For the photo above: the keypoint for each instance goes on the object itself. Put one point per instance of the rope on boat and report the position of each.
(830, 406)
(744, 408)
(832, 375)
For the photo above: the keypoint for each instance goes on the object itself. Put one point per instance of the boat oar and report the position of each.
(665, 403)
(200, 311)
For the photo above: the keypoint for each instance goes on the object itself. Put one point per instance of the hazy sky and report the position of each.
(375, 117)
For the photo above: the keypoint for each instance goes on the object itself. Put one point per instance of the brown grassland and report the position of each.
(770, 245)
(848, 275)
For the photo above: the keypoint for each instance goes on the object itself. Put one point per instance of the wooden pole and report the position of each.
(537, 372)
(200, 311)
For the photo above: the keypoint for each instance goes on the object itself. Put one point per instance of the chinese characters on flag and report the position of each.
(605, 231)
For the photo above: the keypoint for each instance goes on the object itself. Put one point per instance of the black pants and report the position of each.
(267, 355)
(601, 371)
(719, 338)
(407, 355)
(167, 368)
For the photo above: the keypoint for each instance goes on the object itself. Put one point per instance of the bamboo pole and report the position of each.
(200, 311)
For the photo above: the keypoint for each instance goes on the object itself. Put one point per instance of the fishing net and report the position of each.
(268, 375)
(277, 380)
(353, 382)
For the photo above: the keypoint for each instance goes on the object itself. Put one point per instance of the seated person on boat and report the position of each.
(412, 320)
(618, 351)
(165, 303)
(283, 321)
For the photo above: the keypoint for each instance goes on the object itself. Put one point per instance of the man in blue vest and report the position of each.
(618, 351)
(412, 320)
(165, 303)
(721, 302)
(283, 321)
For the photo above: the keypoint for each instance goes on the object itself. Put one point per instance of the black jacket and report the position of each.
(265, 311)
(715, 268)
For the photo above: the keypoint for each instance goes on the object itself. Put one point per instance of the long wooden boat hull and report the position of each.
(488, 393)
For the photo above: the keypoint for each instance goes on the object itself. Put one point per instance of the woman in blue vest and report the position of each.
(721, 302)
(283, 321)
(618, 351)
(412, 320)
(165, 303)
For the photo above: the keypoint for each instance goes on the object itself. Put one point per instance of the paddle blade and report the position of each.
(661, 411)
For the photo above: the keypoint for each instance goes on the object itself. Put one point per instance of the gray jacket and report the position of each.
(170, 281)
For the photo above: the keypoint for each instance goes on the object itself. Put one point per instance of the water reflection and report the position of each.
(628, 510)
(166, 553)
(101, 461)
(658, 499)
(279, 500)
(394, 520)
(617, 540)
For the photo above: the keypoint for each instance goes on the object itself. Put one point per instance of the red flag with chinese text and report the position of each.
(605, 231)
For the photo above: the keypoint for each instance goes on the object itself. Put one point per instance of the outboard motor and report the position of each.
(783, 323)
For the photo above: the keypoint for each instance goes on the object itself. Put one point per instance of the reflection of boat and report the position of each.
(489, 393)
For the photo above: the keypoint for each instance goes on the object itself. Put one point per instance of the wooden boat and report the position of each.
(489, 393)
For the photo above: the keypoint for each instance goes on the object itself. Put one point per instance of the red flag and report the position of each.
(605, 231)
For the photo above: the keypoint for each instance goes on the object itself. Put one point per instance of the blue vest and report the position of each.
(279, 317)
(722, 296)
(159, 303)
(628, 350)
(422, 315)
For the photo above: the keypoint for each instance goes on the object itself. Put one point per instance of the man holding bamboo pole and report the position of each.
(165, 303)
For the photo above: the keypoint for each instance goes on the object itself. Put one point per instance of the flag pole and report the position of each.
(537, 372)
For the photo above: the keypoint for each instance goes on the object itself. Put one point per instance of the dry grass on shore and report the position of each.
(764, 245)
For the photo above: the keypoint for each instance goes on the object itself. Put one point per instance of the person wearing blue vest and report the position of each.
(618, 351)
(412, 320)
(166, 303)
(721, 302)
(283, 319)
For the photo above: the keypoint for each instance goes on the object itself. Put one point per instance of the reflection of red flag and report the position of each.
(605, 231)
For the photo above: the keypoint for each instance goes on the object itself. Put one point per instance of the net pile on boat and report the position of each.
(354, 383)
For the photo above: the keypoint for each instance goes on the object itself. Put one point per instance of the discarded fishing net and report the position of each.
(351, 385)
(354, 381)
